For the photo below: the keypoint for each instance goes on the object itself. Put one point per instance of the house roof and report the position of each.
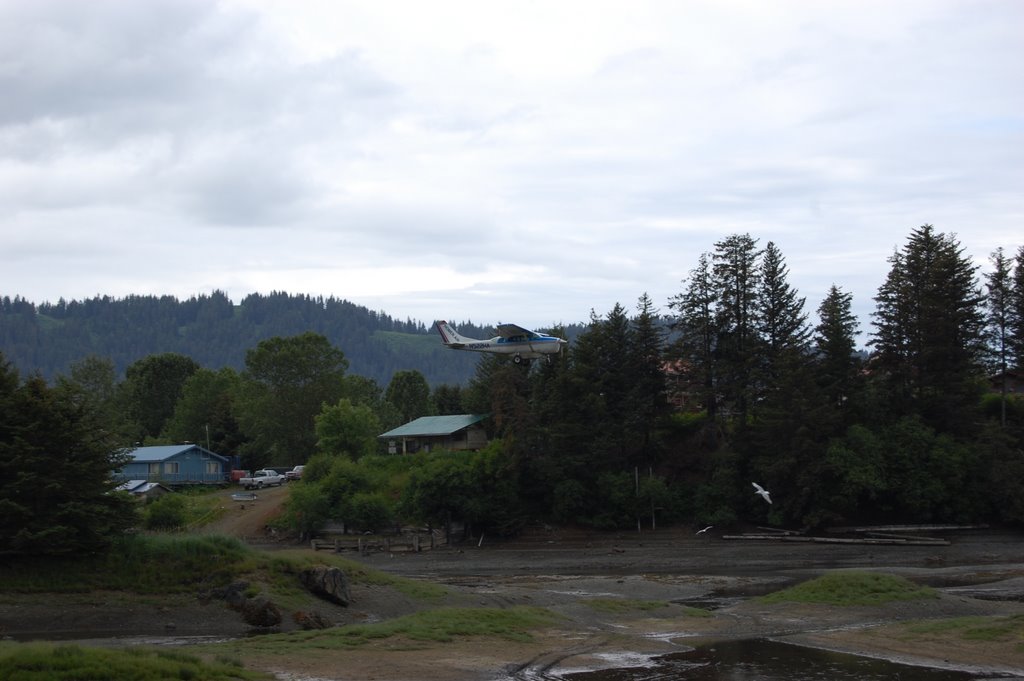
(434, 425)
(165, 452)
(137, 486)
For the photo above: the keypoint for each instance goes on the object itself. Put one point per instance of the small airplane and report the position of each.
(762, 491)
(511, 340)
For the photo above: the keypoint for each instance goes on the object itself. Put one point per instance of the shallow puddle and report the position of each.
(772, 661)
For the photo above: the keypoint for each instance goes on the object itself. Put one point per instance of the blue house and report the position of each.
(177, 465)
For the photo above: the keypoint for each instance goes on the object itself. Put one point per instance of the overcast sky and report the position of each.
(524, 161)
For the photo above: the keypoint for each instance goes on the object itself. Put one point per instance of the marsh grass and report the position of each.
(440, 625)
(46, 662)
(977, 628)
(849, 588)
(168, 564)
(281, 568)
(139, 563)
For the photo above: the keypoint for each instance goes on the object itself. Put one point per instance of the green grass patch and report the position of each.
(45, 662)
(170, 566)
(203, 506)
(847, 588)
(139, 563)
(282, 565)
(440, 625)
(977, 628)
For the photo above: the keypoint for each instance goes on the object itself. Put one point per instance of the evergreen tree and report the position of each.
(697, 328)
(834, 340)
(929, 331)
(999, 320)
(781, 320)
(1017, 311)
(93, 382)
(602, 362)
(787, 433)
(56, 465)
(447, 399)
(737, 279)
(647, 403)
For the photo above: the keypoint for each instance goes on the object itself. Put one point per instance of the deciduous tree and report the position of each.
(285, 385)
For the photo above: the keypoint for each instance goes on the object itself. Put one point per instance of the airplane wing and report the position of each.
(510, 330)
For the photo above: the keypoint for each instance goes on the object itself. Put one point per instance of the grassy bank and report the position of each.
(45, 662)
(162, 565)
(982, 629)
(850, 588)
(137, 563)
(439, 625)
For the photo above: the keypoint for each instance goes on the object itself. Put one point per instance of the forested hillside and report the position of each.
(633, 424)
(48, 337)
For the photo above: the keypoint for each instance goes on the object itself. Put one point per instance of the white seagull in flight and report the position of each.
(705, 529)
(762, 491)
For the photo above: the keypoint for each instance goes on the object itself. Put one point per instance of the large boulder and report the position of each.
(260, 612)
(328, 583)
(233, 594)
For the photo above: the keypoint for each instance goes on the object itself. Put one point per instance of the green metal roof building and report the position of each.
(455, 432)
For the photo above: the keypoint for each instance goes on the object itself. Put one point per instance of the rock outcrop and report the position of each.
(328, 583)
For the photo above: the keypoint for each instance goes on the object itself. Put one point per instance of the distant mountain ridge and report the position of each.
(49, 337)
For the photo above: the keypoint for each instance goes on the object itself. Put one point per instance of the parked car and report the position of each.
(261, 479)
(294, 474)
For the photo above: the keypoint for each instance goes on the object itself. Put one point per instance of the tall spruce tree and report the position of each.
(602, 361)
(737, 279)
(1017, 311)
(696, 325)
(929, 328)
(999, 307)
(835, 343)
(781, 320)
(647, 395)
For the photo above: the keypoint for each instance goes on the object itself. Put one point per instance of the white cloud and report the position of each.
(527, 161)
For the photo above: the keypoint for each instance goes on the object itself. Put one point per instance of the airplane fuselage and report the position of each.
(512, 340)
(530, 348)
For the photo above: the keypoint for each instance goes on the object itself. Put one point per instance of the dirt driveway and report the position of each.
(247, 520)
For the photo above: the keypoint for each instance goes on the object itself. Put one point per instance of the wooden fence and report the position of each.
(369, 543)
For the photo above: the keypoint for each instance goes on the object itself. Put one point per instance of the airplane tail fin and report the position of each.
(450, 336)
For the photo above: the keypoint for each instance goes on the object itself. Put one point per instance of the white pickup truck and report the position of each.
(261, 479)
